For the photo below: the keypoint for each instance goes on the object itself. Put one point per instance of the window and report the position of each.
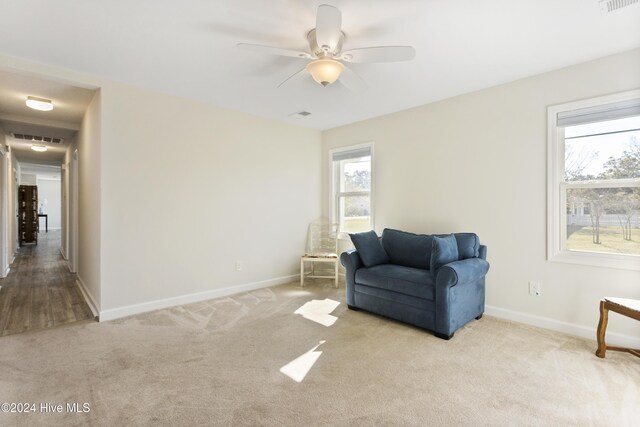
(594, 181)
(351, 183)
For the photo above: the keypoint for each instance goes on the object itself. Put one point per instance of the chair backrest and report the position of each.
(322, 238)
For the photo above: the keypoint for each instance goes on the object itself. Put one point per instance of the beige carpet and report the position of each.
(218, 363)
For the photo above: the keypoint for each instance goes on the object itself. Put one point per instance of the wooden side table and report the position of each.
(626, 307)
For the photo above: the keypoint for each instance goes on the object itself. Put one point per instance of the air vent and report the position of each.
(607, 6)
(300, 113)
(37, 138)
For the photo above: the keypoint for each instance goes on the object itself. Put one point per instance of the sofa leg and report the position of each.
(479, 317)
(443, 336)
(353, 307)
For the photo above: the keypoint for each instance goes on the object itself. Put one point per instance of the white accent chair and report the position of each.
(322, 247)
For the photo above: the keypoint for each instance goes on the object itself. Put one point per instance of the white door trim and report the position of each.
(4, 249)
(73, 215)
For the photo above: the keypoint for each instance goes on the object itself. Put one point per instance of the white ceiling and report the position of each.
(189, 48)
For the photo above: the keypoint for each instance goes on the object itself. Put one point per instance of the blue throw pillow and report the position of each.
(468, 245)
(443, 251)
(369, 248)
(407, 249)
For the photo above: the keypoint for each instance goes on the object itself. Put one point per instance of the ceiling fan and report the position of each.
(326, 55)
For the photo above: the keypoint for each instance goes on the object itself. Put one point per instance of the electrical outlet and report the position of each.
(534, 289)
(238, 265)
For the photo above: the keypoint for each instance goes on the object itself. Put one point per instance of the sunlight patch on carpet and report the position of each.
(298, 368)
(318, 311)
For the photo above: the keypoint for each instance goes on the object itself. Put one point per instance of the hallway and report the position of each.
(39, 291)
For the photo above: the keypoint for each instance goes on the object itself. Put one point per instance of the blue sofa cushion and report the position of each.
(405, 280)
(369, 248)
(468, 245)
(443, 251)
(407, 249)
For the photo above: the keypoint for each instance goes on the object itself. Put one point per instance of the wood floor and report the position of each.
(39, 291)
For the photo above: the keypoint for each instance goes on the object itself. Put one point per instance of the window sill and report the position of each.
(596, 259)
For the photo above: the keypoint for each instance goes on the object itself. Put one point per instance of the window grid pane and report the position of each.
(603, 220)
(355, 174)
(354, 212)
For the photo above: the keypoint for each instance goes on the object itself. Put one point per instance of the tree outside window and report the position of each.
(602, 186)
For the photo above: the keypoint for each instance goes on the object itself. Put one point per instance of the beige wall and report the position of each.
(477, 163)
(49, 196)
(88, 143)
(189, 189)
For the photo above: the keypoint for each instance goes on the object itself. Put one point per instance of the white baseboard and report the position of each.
(8, 269)
(129, 310)
(612, 338)
(88, 297)
(64, 255)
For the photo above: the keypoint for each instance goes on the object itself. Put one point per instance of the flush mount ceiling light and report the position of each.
(39, 104)
(325, 71)
(39, 148)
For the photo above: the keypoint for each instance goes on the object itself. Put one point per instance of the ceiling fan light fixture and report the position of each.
(325, 70)
(39, 148)
(39, 104)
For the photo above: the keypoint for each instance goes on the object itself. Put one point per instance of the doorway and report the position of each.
(41, 148)
(4, 250)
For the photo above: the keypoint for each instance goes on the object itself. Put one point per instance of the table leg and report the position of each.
(602, 329)
(301, 273)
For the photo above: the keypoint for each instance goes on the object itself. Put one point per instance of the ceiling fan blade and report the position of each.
(379, 54)
(328, 27)
(351, 80)
(274, 50)
(294, 76)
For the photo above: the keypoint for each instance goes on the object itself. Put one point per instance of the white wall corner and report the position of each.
(88, 297)
(581, 331)
(130, 310)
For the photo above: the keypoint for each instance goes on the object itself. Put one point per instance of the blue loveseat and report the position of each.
(436, 282)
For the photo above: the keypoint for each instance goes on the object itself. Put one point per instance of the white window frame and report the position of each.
(556, 191)
(334, 195)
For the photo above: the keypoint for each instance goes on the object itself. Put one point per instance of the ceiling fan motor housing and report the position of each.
(318, 51)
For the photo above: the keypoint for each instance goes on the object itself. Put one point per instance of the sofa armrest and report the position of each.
(462, 271)
(483, 252)
(459, 293)
(351, 262)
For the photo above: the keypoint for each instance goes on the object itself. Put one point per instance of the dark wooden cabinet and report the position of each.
(28, 214)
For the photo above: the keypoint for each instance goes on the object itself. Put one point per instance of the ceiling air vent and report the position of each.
(300, 113)
(607, 6)
(37, 138)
